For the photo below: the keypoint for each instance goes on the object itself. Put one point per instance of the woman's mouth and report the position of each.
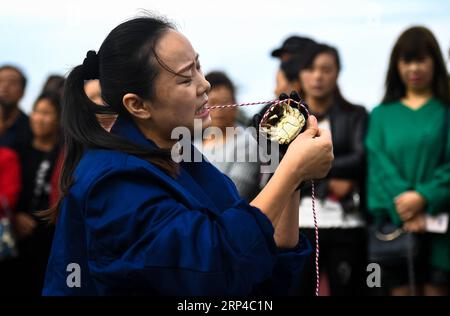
(202, 111)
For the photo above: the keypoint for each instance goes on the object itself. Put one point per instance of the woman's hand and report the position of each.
(310, 154)
(24, 225)
(409, 204)
(416, 225)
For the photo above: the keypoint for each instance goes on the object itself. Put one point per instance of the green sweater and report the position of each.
(404, 152)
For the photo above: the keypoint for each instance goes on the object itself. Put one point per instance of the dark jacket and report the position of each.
(348, 129)
(18, 134)
(348, 124)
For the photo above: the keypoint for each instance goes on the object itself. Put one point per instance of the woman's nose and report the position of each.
(204, 86)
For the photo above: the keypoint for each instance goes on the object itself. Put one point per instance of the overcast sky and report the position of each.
(46, 37)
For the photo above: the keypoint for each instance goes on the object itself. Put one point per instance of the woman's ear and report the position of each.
(136, 106)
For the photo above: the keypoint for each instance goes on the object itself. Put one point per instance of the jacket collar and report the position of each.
(126, 128)
(190, 173)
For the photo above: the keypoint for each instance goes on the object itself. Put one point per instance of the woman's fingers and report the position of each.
(312, 129)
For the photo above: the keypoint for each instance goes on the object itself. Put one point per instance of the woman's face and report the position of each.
(416, 74)
(44, 119)
(222, 118)
(319, 81)
(178, 99)
(11, 90)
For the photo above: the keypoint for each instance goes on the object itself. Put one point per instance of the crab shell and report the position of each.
(283, 125)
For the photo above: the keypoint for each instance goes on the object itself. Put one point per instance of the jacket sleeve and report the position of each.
(351, 166)
(141, 236)
(285, 279)
(436, 191)
(384, 182)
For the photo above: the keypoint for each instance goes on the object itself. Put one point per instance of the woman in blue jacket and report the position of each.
(131, 220)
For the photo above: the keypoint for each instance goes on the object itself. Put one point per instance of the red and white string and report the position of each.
(316, 234)
(274, 103)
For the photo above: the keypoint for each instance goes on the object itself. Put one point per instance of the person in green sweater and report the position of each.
(408, 155)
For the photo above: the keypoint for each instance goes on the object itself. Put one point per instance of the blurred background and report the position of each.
(47, 37)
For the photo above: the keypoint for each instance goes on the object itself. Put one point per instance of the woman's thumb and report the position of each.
(312, 128)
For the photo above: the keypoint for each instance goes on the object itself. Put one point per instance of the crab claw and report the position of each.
(295, 96)
(300, 106)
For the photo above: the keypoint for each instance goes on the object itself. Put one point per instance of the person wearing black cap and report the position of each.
(293, 45)
(292, 58)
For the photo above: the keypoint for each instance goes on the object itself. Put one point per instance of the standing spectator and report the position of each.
(38, 159)
(223, 152)
(409, 158)
(9, 195)
(12, 88)
(339, 208)
(9, 172)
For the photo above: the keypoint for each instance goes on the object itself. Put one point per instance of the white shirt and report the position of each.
(330, 213)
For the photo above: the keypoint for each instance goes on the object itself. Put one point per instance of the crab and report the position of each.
(283, 122)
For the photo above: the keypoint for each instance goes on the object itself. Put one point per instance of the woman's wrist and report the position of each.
(291, 177)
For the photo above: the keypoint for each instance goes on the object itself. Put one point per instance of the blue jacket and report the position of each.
(132, 229)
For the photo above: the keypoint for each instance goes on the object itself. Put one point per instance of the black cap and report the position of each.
(292, 45)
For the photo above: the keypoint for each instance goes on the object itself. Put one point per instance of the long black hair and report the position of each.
(414, 44)
(126, 63)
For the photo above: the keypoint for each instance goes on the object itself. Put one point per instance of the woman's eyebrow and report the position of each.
(188, 66)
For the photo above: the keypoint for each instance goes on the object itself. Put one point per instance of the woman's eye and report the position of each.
(187, 81)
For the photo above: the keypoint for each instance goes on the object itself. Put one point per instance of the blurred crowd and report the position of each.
(386, 199)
